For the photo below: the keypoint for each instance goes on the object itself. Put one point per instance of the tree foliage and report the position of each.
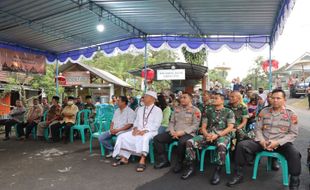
(195, 58)
(120, 65)
(220, 76)
(256, 75)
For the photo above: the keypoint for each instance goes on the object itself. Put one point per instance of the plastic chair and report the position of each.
(81, 127)
(103, 111)
(271, 155)
(212, 157)
(96, 135)
(171, 145)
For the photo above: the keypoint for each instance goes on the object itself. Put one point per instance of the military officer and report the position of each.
(241, 117)
(183, 126)
(216, 129)
(276, 131)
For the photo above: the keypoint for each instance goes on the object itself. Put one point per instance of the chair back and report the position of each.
(83, 115)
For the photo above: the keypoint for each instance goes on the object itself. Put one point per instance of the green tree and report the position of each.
(220, 76)
(195, 58)
(256, 75)
(47, 81)
(120, 65)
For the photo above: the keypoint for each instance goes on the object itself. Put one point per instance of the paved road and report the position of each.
(25, 165)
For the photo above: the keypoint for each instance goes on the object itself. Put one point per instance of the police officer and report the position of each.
(276, 131)
(182, 127)
(216, 129)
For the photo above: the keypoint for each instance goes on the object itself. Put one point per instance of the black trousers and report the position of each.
(309, 100)
(29, 126)
(162, 139)
(250, 147)
(8, 123)
(55, 130)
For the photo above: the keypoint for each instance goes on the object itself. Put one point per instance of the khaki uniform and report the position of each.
(185, 119)
(273, 126)
(281, 127)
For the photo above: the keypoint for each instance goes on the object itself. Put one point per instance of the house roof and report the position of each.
(98, 72)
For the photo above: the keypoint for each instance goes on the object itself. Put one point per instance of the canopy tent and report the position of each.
(64, 30)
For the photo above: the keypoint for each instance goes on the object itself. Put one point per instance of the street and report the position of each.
(44, 166)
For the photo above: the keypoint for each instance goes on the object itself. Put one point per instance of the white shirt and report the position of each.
(148, 118)
(122, 118)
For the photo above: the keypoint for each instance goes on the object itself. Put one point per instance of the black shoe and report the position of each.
(189, 171)
(294, 183)
(216, 175)
(178, 167)
(6, 138)
(161, 165)
(235, 180)
(275, 165)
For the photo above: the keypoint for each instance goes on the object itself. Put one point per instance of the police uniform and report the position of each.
(240, 112)
(217, 121)
(186, 119)
(276, 126)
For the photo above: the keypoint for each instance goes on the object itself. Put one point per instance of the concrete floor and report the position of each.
(43, 166)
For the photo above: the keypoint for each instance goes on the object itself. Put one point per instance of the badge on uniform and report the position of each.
(197, 114)
(294, 119)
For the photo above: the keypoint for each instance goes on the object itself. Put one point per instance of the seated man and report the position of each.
(183, 125)
(16, 117)
(122, 121)
(45, 104)
(53, 116)
(137, 140)
(69, 118)
(276, 131)
(241, 118)
(216, 129)
(33, 118)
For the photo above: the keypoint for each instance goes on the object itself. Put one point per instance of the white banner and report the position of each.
(171, 74)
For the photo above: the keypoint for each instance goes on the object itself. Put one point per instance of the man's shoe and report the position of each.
(161, 165)
(275, 165)
(235, 180)
(238, 177)
(216, 175)
(178, 167)
(294, 183)
(189, 171)
(109, 155)
(6, 139)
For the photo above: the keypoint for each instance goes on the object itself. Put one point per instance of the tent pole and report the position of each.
(270, 69)
(145, 65)
(57, 84)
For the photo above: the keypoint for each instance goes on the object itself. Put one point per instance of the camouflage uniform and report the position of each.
(217, 121)
(241, 111)
(203, 109)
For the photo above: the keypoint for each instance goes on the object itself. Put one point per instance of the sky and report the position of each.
(293, 43)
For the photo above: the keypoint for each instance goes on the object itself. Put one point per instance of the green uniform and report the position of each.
(241, 111)
(217, 121)
(203, 109)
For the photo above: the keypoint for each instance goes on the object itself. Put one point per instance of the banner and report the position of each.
(77, 77)
(16, 61)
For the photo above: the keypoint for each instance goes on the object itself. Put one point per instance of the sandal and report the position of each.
(141, 167)
(119, 162)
